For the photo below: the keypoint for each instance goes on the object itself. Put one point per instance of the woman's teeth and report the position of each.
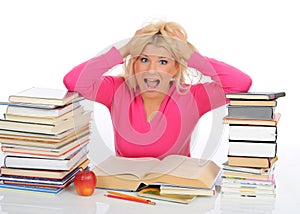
(152, 83)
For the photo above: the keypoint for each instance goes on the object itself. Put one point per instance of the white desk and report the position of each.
(287, 200)
(69, 202)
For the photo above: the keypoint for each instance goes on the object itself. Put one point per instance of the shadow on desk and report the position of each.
(65, 202)
(69, 202)
(246, 205)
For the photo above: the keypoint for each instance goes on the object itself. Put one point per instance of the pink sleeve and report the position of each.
(225, 79)
(230, 78)
(87, 77)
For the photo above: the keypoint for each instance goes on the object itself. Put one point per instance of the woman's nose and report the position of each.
(152, 66)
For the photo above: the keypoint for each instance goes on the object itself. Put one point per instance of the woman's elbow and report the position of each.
(240, 84)
(68, 83)
(246, 83)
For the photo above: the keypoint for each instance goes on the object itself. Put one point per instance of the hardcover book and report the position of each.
(46, 120)
(129, 173)
(43, 173)
(33, 189)
(253, 102)
(252, 149)
(46, 96)
(252, 133)
(249, 121)
(34, 181)
(45, 163)
(252, 161)
(41, 112)
(254, 170)
(255, 95)
(251, 112)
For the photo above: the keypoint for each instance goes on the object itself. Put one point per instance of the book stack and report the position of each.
(44, 137)
(252, 152)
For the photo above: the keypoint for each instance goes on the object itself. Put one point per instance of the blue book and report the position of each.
(32, 189)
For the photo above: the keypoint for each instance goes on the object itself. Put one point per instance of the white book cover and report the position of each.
(44, 96)
(253, 133)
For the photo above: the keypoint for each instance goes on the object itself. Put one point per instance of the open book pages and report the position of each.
(155, 193)
(129, 173)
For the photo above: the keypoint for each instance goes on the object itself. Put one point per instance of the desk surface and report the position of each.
(69, 202)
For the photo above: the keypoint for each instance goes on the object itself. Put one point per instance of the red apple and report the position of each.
(85, 182)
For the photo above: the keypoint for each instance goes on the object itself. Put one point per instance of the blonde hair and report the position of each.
(161, 34)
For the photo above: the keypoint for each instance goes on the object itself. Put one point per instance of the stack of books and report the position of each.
(44, 136)
(252, 152)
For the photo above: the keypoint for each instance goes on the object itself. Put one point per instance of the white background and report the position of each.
(40, 41)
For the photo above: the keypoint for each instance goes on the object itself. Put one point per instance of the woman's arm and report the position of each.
(225, 79)
(230, 78)
(87, 77)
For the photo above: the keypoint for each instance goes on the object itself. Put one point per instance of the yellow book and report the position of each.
(154, 193)
(128, 173)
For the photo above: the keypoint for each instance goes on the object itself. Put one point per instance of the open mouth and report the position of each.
(151, 83)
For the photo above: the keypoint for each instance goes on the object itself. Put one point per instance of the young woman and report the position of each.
(156, 104)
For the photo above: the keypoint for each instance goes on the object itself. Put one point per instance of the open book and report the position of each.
(129, 173)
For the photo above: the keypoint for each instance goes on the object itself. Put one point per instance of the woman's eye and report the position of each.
(143, 59)
(163, 62)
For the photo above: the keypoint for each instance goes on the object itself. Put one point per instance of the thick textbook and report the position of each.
(255, 95)
(46, 96)
(252, 149)
(252, 133)
(46, 120)
(251, 112)
(43, 173)
(41, 112)
(253, 102)
(252, 161)
(129, 173)
(34, 181)
(46, 163)
(247, 121)
(254, 170)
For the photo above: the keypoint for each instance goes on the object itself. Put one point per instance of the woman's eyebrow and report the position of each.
(160, 57)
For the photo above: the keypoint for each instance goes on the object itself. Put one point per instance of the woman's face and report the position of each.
(154, 69)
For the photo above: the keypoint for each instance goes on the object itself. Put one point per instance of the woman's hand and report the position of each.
(125, 50)
(183, 45)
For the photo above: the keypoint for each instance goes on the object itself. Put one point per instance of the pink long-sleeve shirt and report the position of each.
(169, 132)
